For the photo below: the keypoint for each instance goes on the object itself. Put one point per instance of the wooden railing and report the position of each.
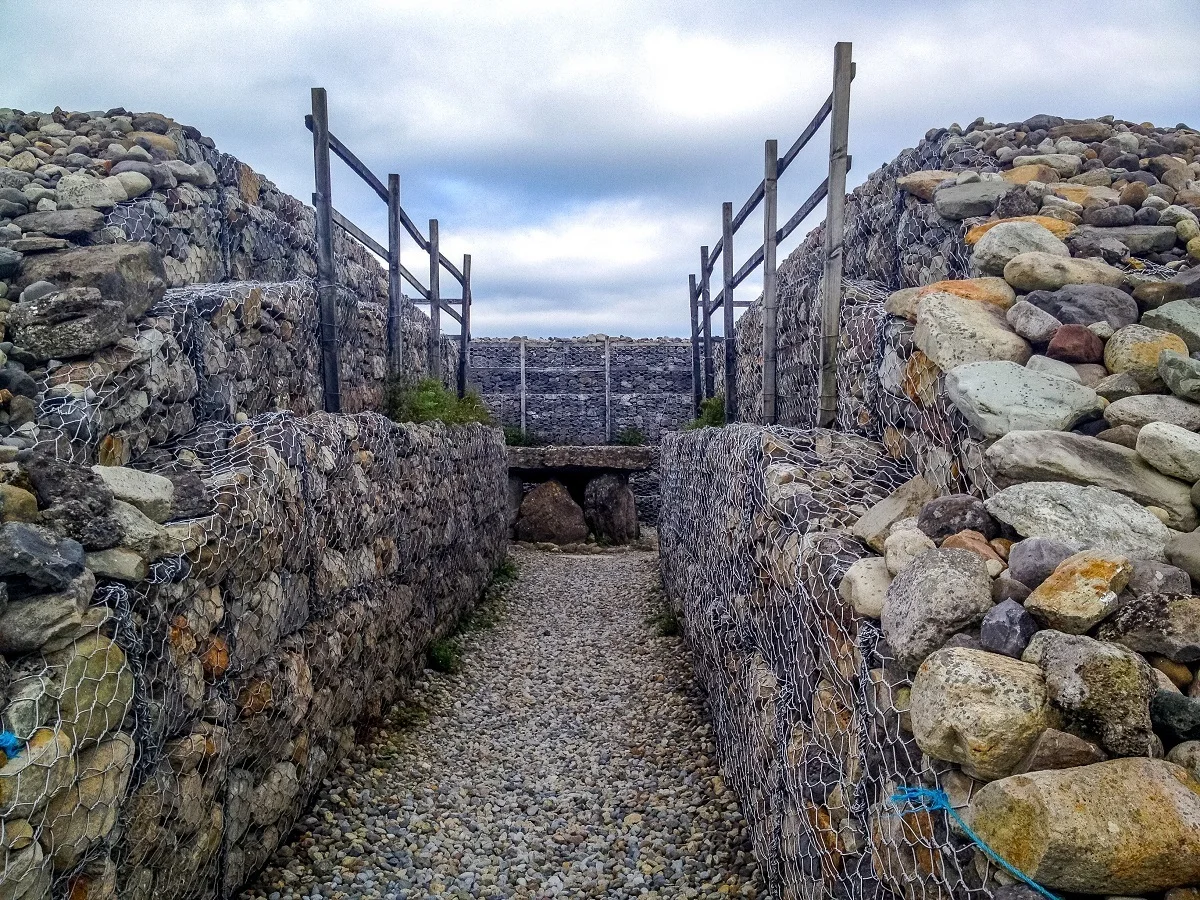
(324, 142)
(832, 189)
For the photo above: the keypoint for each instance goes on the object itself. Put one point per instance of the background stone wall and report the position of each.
(569, 399)
(205, 582)
(979, 592)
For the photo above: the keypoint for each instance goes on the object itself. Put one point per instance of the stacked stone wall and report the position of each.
(977, 596)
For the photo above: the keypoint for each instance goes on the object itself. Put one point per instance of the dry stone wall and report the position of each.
(976, 597)
(206, 584)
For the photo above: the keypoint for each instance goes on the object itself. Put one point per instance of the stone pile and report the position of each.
(186, 648)
(1016, 626)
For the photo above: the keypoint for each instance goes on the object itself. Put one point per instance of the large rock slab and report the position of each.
(1172, 450)
(953, 330)
(1081, 591)
(1102, 688)
(1083, 515)
(550, 515)
(963, 201)
(66, 324)
(981, 710)
(939, 594)
(131, 274)
(1008, 239)
(1086, 304)
(613, 457)
(150, 493)
(999, 397)
(62, 223)
(1142, 409)
(1124, 826)
(1140, 239)
(1047, 272)
(1079, 459)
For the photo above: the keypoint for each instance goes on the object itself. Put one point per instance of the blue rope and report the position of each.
(934, 800)
(11, 744)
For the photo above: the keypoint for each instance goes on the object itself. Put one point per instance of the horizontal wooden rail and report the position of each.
(377, 248)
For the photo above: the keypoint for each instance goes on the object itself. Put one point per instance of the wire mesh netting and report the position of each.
(808, 706)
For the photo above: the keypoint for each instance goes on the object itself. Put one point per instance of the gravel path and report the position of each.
(567, 758)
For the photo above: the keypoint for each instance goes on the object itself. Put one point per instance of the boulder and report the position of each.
(1142, 409)
(1035, 325)
(549, 514)
(1057, 227)
(963, 201)
(97, 687)
(44, 767)
(1181, 374)
(1053, 368)
(62, 223)
(1056, 749)
(874, 526)
(941, 593)
(994, 291)
(79, 190)
(1172, 450)
(31, 623)
(1036, 271)
(1183, 551)
(1076, 344)
(1179, 317)
(999, 397)
(131, 274)
(1034, 559)
(1150, 577)
(68, 323)
(1124, 826)
(1164, 624)
(865, 584)
(923, 184)
(1085, 516)
(983, 711)
(1175, 717)
(1065, 164)
(1135, 349)
(1139, 239)
(944, 516)
(952, 330)
(1104, 689)
(902, 547)
(1079, 459)
(610, 509)
(1081, 591)
(152, 494)
(35, 560)
(1008, 239)
(1007, 629)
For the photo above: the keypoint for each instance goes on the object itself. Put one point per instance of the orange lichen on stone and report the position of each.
(1057, 227)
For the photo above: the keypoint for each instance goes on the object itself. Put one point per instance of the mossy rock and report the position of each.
(96, 687)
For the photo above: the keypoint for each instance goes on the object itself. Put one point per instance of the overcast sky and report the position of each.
(580, 151)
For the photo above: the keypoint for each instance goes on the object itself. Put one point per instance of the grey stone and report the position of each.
(10, 262)
(944, 516)
(35, 560)
(1007, 628)
(1180, 373)
(1125, 435)
(1103, 688)
(962, 201)
(1085, 304)
(1032, 560)
(29, 624)
(1143, 409)
(1172, 450)
(1004, 241)
(1150, 577)
(1054, 368)
(1118, 387)
(874, 526)
(1166, 624)
(1085, 516)
(1140, 239)
(1109, 216)
(1079, 459)
(131, 274)
(1056, 749)
(610, 510)
(1181, 317)
(152, 494)
(1175, 716)
(66, 223)
(67, 324)
(999, 397)
(1035, 325)
(1037, 271)
(939, 594)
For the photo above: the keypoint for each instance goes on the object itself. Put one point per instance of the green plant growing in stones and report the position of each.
(665, 622)
(514, 437)
(630, 436)
(428, 400)
(712, 414)
(444, 656)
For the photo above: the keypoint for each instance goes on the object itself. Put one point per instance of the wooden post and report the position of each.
(731, 397)
(522, 387)
(697, 378)
(831, 296)
(464, 347)
(395, 321)
(326, 272)
(769, 310)
(706, 321)
(435, 303)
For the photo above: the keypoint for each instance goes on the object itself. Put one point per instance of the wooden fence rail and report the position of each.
(833, 189)
(325, 142)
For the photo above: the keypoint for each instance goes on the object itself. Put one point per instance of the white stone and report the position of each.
(903, 546)
(953, 330)
(865, 585)
(1172, 450)
(999, 397)
(1008, 239)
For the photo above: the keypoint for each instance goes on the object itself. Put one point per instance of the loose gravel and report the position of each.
(568, 757)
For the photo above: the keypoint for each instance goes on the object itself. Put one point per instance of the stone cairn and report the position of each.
(984, 583)
(205, 584)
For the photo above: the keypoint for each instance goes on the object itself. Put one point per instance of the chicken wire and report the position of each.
(809, 707)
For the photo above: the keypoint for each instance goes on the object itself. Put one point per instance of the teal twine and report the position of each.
(10, 744)
(933, 800)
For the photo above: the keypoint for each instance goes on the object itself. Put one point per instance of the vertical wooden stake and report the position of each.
(326, 272)
(464, 349)
(769, 310)
(731, 397)
(697, 378)
(831, 296)
(435, 303)
(522, 387)
(706, 321)
(395, 320)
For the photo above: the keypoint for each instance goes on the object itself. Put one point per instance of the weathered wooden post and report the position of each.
(697, 378)
(464, 339)
(326, 271)
(731, 397)
(706, 322)
(435, 304)
(395, 322)
(769, 310)
(831, 296)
